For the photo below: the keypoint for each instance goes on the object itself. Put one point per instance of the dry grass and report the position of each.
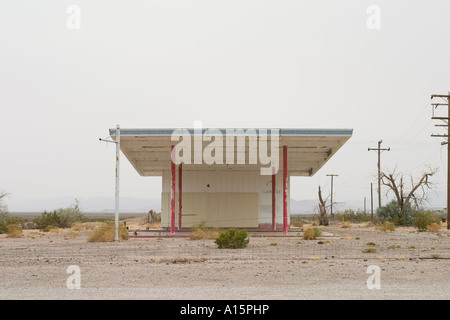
(312, 233)
(386, 226)
(51, 228)
(77, 226)
(345, 224)
(434, 227)
(309, 234)
(298, 224)
(106, 233)
(14, 231)
(201, 232)
(370, 250)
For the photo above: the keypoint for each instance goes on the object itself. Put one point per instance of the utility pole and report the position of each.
(371, 200)
(446, 120)
(116, 215)
(364, 205)
(331, 207)
(379, 149)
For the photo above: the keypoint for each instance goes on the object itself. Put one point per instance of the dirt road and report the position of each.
(411, 265)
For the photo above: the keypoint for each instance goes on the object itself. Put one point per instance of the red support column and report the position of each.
(274, 224)
(180, 189)
(285, 199)
(172, 197)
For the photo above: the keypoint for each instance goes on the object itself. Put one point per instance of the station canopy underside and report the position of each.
(149, 150)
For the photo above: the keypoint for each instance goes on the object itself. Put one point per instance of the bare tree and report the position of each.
(3, 206)
(415, 194)
(323, 217)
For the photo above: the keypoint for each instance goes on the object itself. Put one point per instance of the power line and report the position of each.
(446, 120)
(379, 149)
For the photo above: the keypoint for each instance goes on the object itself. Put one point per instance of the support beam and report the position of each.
(116, 216)
(180, 192)
(285, 199)
(274, 204)
(172, 199)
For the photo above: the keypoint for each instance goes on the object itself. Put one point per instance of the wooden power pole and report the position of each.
(331, 206)
(379, 149)
(371, 201)
(446, 120)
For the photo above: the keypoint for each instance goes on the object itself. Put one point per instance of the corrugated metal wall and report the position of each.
(224, 198)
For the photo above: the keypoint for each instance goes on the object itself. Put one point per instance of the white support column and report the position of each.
(116, 237)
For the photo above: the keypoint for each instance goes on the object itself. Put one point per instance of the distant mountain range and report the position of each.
(127, 204)
(143, 205)
(92, 205)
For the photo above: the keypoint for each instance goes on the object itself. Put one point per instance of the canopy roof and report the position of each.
(149, 150)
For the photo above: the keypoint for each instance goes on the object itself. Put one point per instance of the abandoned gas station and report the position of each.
(228, 177)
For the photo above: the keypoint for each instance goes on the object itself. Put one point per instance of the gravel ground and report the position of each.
(412, 266)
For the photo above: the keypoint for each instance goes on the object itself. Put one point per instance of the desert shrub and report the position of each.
(232, 239)
(106, 233)
(77, 226)
(6, 220)
(345, 224)
(298, 224)
(392, 212)
(309, 234)
(60, 218)
(386, 226)
(434, 227)
(312, 233)
(317, 232)
(3, 226)
(353, 216)
(422, 219)
(14, 231)
(46, 220)
(202, 231)
(369, 250)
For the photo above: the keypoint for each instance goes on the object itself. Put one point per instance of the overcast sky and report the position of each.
(70, 70)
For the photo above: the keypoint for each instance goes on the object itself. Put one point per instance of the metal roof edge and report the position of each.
(283, 132)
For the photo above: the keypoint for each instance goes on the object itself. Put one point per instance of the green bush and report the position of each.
(3, 226)
(317, 232)
(422, 219)
(312, 233)
(6, 220)
(60, 218)
(232, 239)
(394, 213)
(352, 216)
